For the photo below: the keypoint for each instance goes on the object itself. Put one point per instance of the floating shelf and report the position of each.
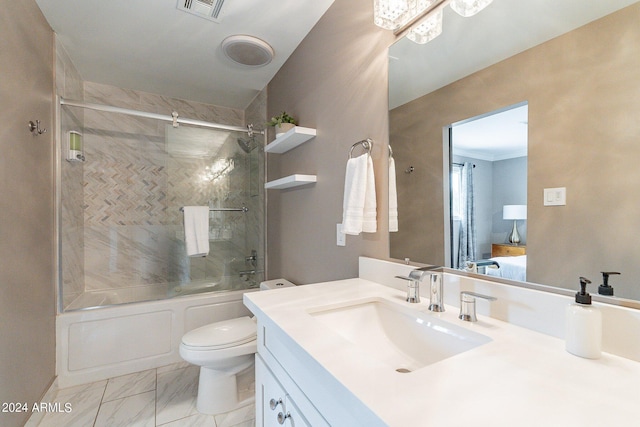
(290, 140)
(290, 182)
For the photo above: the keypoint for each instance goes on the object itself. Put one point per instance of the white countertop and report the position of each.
(521, 377)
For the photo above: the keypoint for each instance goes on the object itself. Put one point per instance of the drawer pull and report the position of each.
(282, 417)
(273, 403)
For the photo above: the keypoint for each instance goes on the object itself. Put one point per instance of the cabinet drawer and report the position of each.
(507, 250)
(303, 411)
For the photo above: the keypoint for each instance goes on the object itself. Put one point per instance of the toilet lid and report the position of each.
(222, 334)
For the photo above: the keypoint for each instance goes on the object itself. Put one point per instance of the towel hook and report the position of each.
(367, 144)
(35, 128)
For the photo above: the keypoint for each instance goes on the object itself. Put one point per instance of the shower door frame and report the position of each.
(57, 171)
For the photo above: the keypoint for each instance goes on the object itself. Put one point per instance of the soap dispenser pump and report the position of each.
(583, 325)
(605, 289)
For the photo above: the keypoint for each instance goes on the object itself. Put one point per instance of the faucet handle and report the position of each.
(413, 290)
(468, 305)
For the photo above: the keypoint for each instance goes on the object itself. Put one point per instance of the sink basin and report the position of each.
(403, 338)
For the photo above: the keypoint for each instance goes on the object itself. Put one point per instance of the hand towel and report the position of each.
(196, 230)
(393, 197)
(359, 205)
(370, 221)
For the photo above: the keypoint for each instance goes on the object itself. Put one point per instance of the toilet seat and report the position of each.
(221, 335)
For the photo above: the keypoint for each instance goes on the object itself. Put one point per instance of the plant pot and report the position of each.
(283, 128)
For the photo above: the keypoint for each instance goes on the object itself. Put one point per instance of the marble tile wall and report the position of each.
(256, 114)
(121, 221)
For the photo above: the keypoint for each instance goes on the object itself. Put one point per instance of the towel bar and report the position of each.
(367, 144)
(242, 209)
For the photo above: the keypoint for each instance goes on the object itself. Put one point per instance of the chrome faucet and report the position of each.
(468, 305)
(435, 294)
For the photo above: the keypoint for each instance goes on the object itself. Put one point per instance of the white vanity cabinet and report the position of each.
(274, 407)
(309, 394)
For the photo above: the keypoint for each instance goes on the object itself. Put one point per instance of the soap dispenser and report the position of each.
(605, 289)
(584, 325)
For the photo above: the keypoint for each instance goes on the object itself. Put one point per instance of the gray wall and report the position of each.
(510, 184)
(336, 82)
(27, 294)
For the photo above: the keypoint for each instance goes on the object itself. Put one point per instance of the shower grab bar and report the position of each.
(242, 209)
(172, 118)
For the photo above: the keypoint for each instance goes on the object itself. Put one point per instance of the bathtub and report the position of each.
(102, 343)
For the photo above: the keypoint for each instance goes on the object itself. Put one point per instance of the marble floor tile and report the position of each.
(198, 420)
(243, 416)
(157, 397)
(246, 385)
(59, 392)
(84, 407)
(176, 394)
(129, 385)
(173, 367)
(49, 396)
(132, 411)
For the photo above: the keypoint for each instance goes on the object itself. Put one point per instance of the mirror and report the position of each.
(583, 93)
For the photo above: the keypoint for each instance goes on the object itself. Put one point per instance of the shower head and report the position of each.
(246, 146)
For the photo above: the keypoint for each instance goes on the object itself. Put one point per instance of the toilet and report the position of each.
(223, 350)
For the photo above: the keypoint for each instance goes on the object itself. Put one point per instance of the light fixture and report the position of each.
(514, 212)
(389, 14)
(421, 20)
(393, 14)
(468, 8)
(247, 50)
(428, 29)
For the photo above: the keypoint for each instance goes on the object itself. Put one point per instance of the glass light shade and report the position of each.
(514, 212)
(468, 8)
(428, 29)
(391, 14)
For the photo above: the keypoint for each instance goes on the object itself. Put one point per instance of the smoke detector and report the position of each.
(209, 9)
(247, 50)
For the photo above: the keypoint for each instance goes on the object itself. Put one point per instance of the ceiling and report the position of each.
(495, 136)
(152, 46)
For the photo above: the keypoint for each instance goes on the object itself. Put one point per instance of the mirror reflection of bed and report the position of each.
(510, 262)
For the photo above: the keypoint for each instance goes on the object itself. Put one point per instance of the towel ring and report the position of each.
(367, 144)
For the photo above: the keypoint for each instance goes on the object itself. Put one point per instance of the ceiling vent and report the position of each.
(209, 9)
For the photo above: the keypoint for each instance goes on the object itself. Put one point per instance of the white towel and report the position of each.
(393, 197)
(196, 230)
(359, 205)
(369, 221)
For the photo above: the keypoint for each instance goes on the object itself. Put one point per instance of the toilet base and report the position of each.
(218, 390)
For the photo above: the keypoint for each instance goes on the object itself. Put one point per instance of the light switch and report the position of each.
(341, 238)
(555, 196)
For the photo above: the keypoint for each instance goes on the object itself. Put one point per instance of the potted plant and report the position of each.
(282, 122)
